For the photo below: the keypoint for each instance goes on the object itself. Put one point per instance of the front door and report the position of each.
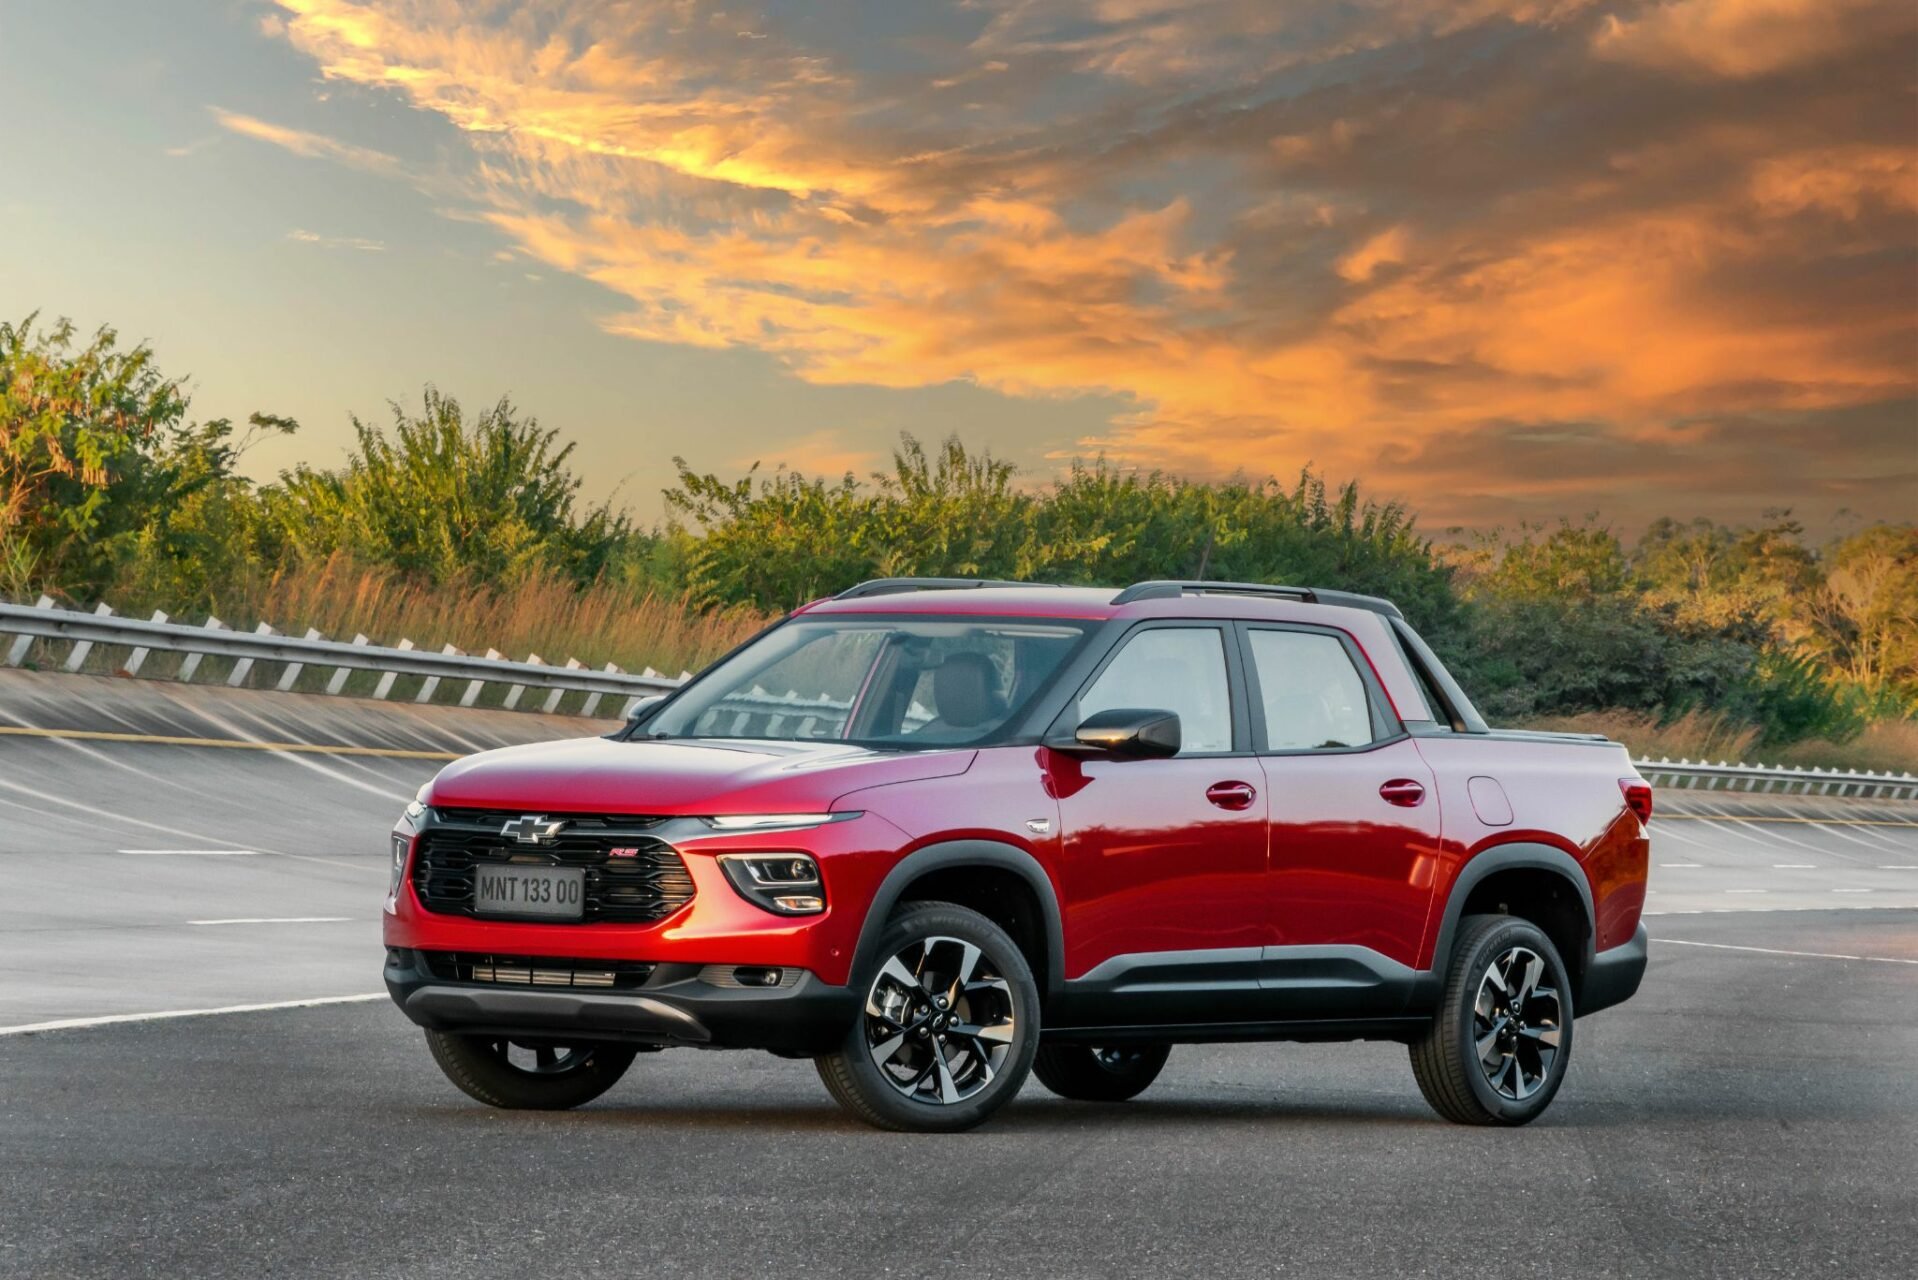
(1354, 810)
(1165, 856)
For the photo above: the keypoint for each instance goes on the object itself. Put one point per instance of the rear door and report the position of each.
(1354, 809)
(1165, 856)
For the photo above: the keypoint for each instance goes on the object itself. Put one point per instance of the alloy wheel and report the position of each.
(939, 1020)
(1517, 1024)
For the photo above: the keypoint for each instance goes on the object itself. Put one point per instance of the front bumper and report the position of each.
(1613, 975)
(674, 1006)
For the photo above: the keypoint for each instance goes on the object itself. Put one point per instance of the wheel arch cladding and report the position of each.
(1534, 882)
(1000, 881)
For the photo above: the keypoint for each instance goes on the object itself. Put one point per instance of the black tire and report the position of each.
(1084, 1073)
(946, 1066)
(1495, 1055)
(558, 1077)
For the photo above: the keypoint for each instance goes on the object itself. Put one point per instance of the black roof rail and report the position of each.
(1172, 588)
(899, 586)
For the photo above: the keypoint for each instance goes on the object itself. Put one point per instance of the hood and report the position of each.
(599, 775)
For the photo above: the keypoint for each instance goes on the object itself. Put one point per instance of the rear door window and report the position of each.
(1311, 692)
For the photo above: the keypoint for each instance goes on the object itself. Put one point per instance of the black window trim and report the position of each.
(1386, 725)
(1235, 680)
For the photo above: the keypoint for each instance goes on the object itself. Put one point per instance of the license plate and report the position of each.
(549, 893)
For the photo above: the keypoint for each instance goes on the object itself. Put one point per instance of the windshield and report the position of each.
(879, 682)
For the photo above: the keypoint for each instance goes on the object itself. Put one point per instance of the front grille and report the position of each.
(536, 971)
(638, 887)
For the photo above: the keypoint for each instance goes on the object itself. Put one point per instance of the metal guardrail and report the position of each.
(141, 637)
(1689, 775)
(294, 654)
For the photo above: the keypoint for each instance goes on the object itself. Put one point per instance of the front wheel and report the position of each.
(1498, 1046)
(531, 1075)
(1088, 1074)
(949, 1026)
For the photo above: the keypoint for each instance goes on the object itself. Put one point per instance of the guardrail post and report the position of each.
(592, 699)
(18, 654)
(338, 682)
(244, 667)
(512, 694)
(138, 657)
(431, 685)
(81, 648)
(552, 699)
(191, 663)
(385, 686)
(291, 675)
(472, 693)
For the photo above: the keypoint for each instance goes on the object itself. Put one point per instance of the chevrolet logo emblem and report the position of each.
(533, 828)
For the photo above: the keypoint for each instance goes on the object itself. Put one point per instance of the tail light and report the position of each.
(1638, 797)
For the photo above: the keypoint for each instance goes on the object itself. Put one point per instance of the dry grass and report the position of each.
(632, 628)
(1697, 735)
(1887, 745)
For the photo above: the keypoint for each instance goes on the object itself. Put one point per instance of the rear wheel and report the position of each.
(1499, 1044)
(1086, 1073)
(534, 1074)
(950, 1023)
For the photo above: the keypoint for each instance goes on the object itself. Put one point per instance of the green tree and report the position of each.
(99, 464)
(1862, 620)
(446, 497)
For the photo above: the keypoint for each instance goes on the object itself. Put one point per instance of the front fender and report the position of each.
(963, 853)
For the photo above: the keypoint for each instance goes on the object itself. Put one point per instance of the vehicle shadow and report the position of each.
(1025, 1116)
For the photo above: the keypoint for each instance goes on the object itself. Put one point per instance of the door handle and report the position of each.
(1231, 795)
(1402, 792)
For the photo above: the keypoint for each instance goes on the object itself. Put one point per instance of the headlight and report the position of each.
(786, 884)
(402, 845)
(774, 821)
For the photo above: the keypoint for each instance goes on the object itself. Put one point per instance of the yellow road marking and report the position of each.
(311, 748)
(1822, 822)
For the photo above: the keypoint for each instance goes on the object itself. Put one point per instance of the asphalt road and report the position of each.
(1753, 1112)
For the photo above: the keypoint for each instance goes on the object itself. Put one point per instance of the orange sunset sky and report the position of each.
(1506, 259)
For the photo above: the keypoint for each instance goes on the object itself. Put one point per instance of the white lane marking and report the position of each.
(1776, 835)
(1681, 864)
(191, 853)
(62, 1024)
(95, 814)
(1898, 866)
(300, 759)
(1773, 951)
(1851, 890)
(277, 920)
(1843, 830)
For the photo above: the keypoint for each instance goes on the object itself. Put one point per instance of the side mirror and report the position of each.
(642, 710)
(1129, 732)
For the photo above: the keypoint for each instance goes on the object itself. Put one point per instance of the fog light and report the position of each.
(757, 977)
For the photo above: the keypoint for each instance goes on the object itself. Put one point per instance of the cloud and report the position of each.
(186, 149)
(301, 236)
(1744, 38)
(302, 143)
(1360, 234)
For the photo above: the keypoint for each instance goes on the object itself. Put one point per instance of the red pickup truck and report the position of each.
(939, 834)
